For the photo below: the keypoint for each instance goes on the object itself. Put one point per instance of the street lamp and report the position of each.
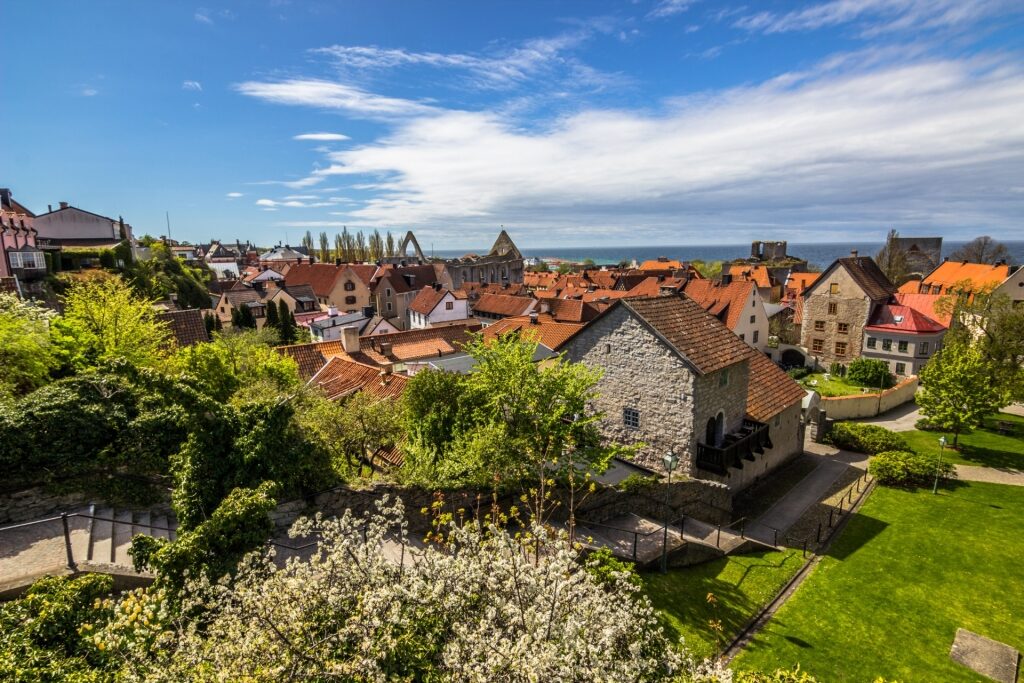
(670, 460)
(938, 464)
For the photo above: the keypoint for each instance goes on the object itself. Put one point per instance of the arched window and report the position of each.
(709, 433)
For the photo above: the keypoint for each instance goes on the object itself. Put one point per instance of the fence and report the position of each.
(869, 405)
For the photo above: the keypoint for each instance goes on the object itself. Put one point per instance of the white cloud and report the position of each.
(292, 204)
(191, 85)
(90, 92)
(314, 92)
(202, 15)
(877, 16)
(669, 8)
(322, 137)
(234, 195)
(930, 142)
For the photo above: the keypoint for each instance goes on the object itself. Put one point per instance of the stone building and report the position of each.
(676, 379)
(923, 254)
(503, 263)
(838, 305)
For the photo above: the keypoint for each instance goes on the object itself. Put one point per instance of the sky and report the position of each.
(593, 122)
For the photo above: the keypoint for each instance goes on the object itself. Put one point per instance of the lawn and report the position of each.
(834, 386)
(741, 584)
(985, 447)
(908, 571)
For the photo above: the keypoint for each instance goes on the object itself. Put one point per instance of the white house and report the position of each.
(435, 306)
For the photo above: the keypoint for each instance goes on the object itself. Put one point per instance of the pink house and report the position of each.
(18, 252)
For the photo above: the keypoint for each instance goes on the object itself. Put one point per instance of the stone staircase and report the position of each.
(95, 539)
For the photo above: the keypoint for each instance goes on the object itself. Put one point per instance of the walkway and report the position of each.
(990, 475)
(900, 419)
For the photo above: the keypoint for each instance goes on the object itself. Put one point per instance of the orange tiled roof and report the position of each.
(662, 263)
(503, 304)
(692, 332)
(312, 356)
(757, 274)
(569, 310)
(320, 276)
(599, 295)
(432, 342)
(725, 302)
(925, 303)
(429, 297)
(187, 327)
(541, 280)
(769, 390)
(949, 273)
(798, 282)
(655, 286)
(546, 330)
(341, 377)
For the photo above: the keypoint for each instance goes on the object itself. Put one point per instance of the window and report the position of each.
(30, 260)
(350, 286)
(922, 349)
(903, 346)
(631, 418)
(887, 344)
(607, 349)
(723, 379)
(449, 305)
(819, 325)
(743, 337)
(872, 342)
(389, 306)
(833, 289)
(840, 348)
(350, 300)
(817, 345)
(753, 319)
(756, 335)
(901, 368)
(843, 328)
(387, 292)
(833, 309)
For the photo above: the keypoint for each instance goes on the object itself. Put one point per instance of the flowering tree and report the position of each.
(366, 607)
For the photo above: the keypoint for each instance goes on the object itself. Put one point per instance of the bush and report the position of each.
(798, 373)
(870, 372)
(907, 469)
(865, 438)
(926, 425)
(637, 482)
(837, 369)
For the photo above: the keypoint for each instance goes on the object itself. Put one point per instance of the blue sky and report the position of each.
(590, 122)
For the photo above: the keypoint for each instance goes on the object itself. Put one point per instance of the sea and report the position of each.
(819, 254)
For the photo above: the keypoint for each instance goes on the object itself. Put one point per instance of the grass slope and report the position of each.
(906, 573)
(834, 386)
(741, 585)
(984, 447)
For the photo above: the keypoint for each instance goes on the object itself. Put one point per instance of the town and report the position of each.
(765, 452)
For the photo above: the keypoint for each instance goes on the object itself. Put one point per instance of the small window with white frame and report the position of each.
(631, 418)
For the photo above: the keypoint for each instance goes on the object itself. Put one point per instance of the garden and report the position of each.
(863, 375)
(893, 585)
(998, 443)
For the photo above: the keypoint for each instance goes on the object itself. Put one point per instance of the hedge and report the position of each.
(865, 438)
(907, 469)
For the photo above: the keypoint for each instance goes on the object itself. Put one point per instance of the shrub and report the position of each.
(798, 373)
(837, 369)
(907, 469)
(926, 425)
(637, 482)
(865, 438)
(870, 372)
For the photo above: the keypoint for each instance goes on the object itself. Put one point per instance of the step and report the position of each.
(160, 527)
(142, 524)
(80, 527)
(101, 538)
(122, 538)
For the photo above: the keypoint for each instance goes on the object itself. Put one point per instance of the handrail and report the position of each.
(68, 515)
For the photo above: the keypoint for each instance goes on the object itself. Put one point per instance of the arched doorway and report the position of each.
(791, 358)
(714, 432)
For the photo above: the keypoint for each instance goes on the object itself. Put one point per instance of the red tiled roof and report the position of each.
(569, 310)
(342, 377)
(363, 271)
(502, 304)
(599, 295)
(320, 276)
(696, 335)
(754, 273)
(725, 302)
(431, 342)
(542, 280)
(798, 282)
(312, 356)
(769, 390)
(925, 304)
(429, 297)
(397, 276)
(474, 290)
(662, 263)
(546, 330)
(950, 273)
(186, 326)
(899, 318)
(656, 286)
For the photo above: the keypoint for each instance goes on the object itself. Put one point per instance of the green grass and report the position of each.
(908, 571)
(741, 584)
(983, 447)
(836, 386)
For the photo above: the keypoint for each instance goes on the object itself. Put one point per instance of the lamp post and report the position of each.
(670, 460)
(938, 464)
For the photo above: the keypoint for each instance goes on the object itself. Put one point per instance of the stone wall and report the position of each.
(712, 398)
(640, 373)
(704, 500)
(33, 503)
(852, 308)
(869, 405)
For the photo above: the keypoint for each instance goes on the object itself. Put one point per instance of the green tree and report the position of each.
(564, 268)
(286, 322)
(243, 318)
(26, 357)
(709, 269)
(273, 320)
(325, 248)
(105, 320)
(541, 267)
(389, 245)
(892, 259)
(870, 372)
(957, 391)
(353, 429)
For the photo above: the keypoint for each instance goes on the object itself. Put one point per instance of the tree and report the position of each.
(957, 391)
(352, 429)
(541, 267)
(472, 609)
(709, 269)
(982, 249)
(892, 259)
(286, 323)
(26, 357)
(105, 320)
(564, 268)
(325, 248)
(242, 318)
(307, 242)
(588, 263)
(870, 372)
(339, 249)
(389, 245)
(273, 320)
(164, 274)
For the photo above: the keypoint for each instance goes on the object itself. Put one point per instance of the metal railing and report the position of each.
(752, 438)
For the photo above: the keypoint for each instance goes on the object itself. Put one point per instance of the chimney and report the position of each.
(350, 339)
(386, 370)
(726, 278)
(385, 349)
(332, 311)
(534, 319)
(49, 208)
(853, 253)
(545, 307)
(63, 205)
(437, 286)
(5, 196)
(337, 261)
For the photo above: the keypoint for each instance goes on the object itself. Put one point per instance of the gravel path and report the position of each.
(990, 475)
